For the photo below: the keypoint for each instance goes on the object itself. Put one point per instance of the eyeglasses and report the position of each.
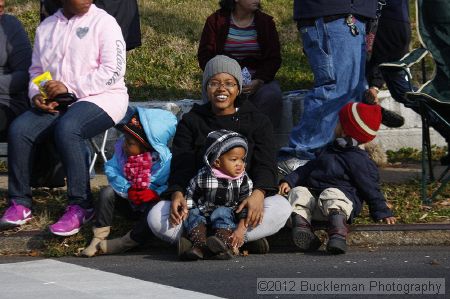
(217, 84)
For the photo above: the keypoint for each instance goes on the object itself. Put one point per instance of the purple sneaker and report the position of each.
(72, 220)
(16, 215)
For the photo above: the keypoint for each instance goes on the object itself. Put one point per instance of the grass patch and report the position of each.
(405, 201)
(49, 205)
(166, 66)
(409, 154)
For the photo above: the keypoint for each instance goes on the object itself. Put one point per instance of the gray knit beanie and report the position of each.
(221, 141)
(221, 64)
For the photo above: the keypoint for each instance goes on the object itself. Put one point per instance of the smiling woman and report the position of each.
(267, 212)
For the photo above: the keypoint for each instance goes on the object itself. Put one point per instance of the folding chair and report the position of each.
(432, 100)
(98, 150)
(101, 150)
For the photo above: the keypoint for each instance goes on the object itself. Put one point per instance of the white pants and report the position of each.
(311, 208)
(276, 211)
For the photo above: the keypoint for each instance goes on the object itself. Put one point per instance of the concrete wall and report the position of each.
(409, 135)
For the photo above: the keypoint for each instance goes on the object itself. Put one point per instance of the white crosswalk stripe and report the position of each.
(53, 279)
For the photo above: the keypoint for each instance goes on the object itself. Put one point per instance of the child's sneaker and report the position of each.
(72, 220)
(16, 214)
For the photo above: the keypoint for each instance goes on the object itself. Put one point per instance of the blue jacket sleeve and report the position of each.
(299, 176)
(116, 178)
(366, 179)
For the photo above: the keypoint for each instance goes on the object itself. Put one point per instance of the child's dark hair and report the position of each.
(229, 5)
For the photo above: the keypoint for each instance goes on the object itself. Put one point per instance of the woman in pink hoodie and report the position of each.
(83, 49)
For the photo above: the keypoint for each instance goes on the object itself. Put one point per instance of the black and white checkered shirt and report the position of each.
(207, 192)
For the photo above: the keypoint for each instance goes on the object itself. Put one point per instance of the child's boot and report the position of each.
(220, 243)
(302, 234)
(118, 245)
(337, 232)
(100, 234)
(184, 244)
(197, 235)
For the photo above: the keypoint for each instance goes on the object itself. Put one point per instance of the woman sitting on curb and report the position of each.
(267, 211)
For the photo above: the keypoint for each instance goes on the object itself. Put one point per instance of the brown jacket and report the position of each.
(215, 34)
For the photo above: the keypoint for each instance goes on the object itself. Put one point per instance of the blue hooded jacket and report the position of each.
(159, 126)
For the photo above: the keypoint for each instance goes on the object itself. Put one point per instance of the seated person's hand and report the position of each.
(54, 88)
(253, 86)
(284, 188)
(255, 208)
(44, 105)
(389, 220)
(372, 96)
(237, 237)
(178, 208)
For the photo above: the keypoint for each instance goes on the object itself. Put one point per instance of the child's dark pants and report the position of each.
(109, 200)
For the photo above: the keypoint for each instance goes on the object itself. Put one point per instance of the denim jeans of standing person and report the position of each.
(70, 130)
(337, 59)
(221, 217)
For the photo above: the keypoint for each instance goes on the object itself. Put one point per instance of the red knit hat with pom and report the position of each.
(360, 121)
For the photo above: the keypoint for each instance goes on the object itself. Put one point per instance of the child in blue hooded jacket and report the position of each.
(137, 174)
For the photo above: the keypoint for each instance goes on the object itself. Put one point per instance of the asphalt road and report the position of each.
(237, 278)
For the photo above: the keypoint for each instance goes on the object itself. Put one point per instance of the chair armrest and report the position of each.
(406, 61)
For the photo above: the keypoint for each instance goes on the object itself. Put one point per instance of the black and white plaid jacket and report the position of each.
(207, 192)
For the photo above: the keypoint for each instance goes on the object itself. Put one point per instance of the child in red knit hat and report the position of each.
(333, 186)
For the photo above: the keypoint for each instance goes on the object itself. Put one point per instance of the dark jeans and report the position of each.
(6, 118)
(70, 130)
(109, 201)
(268, 100)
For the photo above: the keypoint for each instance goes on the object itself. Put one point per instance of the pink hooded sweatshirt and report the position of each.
(86, 53)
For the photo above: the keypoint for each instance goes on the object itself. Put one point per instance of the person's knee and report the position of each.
(269, 96)
(106, 195)
(18, 127)
(155, 216)
(278, 207)
(66, 129)
(300, 196)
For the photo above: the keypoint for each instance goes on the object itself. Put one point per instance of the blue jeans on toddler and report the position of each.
(70, 130)
(222, 217)
(337, 59)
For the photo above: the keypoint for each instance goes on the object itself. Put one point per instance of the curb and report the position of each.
(24, 242)
(379, 235)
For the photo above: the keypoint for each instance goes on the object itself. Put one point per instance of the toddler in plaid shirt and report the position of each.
(214, 196)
